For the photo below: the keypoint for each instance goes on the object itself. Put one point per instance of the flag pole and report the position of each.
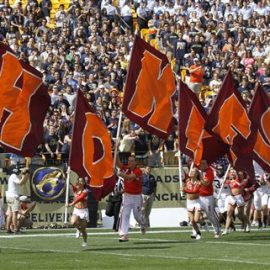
(198, 145)
(223, 183)
(180, 166)
(68, 169)
(117, 138)
(67, 195)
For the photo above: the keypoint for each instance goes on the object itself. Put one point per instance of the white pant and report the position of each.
(207, 203)
(130, 202)
(81, 213)
(193, 205)
(237, 200)
(260, 199)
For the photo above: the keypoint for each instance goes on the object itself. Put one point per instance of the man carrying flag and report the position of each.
(202, 147)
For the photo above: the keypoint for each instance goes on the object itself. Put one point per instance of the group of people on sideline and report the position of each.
(224, 197)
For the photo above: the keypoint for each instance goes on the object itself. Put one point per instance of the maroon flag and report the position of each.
(91, 151)
(259, 114)
(149, 89)
(196, 142)
(229, 121)
(24, 102)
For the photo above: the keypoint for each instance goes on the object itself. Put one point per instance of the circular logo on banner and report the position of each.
(48, 183)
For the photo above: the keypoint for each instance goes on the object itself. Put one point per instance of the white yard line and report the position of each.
(238, 243)
(189, 258)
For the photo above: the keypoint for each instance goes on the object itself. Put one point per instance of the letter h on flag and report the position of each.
(230, 122)
(91, 151)
(259, 113)
(150, 86)
(194, 141)
(24, 102)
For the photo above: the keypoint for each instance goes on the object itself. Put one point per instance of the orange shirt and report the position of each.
(135, 186)
(208, 176)
(196, 76)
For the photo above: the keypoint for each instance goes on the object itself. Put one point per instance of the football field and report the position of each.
(162, 249)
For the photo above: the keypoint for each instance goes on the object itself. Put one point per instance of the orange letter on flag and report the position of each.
(149, 89)
(23, 105)
(91, 151)
(259, 113)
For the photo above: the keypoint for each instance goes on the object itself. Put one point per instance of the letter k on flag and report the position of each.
(91, 151)
(150, 86)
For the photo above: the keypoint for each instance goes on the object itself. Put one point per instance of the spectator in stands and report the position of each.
(51, 146)
(126, 146)
(196, 72)
(154, 147)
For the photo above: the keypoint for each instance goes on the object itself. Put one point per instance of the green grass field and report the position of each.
(162, 249)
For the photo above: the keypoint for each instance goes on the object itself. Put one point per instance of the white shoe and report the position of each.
(255, 224)
(247, 229)
(225, 232)
(217, 235)
(84, 244)
(198, 237)
(78, 233)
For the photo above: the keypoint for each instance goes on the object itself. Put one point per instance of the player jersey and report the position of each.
(133, 187)
(217, 186)
(208, 176)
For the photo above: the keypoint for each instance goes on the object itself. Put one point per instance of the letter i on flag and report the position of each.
(24, 102)
(259, 114)
(229, 121)
(194, 141)
(149, 91)
(91, 151)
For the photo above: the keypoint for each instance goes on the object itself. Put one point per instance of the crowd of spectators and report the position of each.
(86, 45)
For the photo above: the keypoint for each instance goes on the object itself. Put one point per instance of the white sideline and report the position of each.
(25, 235)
